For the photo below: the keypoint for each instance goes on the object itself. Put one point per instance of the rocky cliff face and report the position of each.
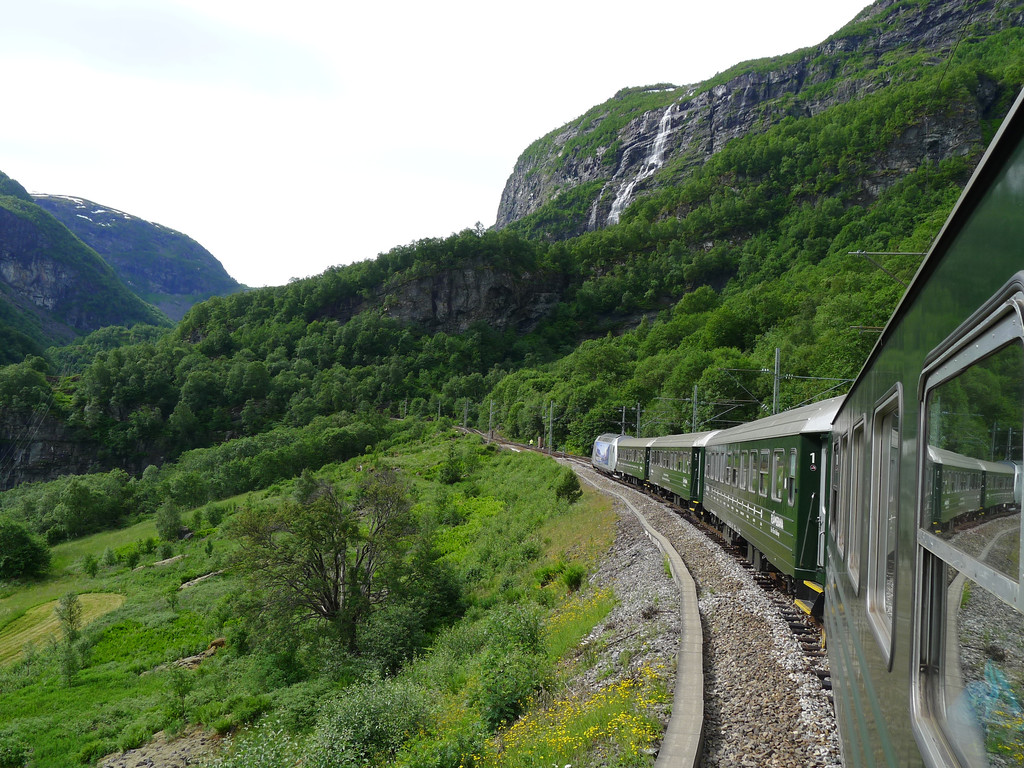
(452, 300)
(695, 122)
(37, 447)
(164, 267)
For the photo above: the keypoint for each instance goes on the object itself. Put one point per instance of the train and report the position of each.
(894, 511)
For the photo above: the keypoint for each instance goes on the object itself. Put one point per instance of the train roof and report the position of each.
(688, 440)
(635, 442)
(958, 460)
(608, 437)
(993, 162)
(815, 418)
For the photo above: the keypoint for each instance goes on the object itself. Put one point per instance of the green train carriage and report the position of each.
(632, 461)
(676, 466)
(766, 483)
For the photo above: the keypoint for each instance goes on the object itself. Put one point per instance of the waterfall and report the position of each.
(650, 164)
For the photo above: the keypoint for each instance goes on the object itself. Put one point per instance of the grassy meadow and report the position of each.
(480, 690)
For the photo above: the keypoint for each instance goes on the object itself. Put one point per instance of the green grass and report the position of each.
(65, 570)
(124, 690)
(39, 624)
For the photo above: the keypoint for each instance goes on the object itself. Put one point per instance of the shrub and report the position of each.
(132, 557)
(214, 515)
(266, 746)
(21, 553)
(168, 521)
(573, 575)
(567, 486)
(515, 628)
(13, 753)
(392, 635)
(508, 681)
(368, 723)
(90, 565)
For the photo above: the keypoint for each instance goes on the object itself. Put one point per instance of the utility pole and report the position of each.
(638, 419)
(490, 422)
(622, 428)
(775, 388)
(551, 422)
(694, 408)
(465, 413)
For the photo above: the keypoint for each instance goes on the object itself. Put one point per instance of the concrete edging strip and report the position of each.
(684, 737)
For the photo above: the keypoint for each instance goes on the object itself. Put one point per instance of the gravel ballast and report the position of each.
(763, 705)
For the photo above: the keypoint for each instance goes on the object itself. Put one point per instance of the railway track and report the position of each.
(807, 631)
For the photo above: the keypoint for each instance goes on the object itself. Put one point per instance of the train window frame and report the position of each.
(764, 468)
(835, 482)
(753, 471)
(997, 326)
(843, 511)
(791, 479)
(882, 472)
(743, 469)
(856, 477)
(778, 470)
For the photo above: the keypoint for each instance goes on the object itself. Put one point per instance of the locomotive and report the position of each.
(901, 501)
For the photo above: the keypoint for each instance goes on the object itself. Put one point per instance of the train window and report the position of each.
(970, 670)
(844, 498)
(974, 421)
(753, 471)
(837, 474)
(856, 503)
(778, 473)
(743, 469)
(882, 528)
(792, 477)
(762, 487)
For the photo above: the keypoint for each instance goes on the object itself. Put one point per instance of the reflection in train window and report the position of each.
(975, 668)
(842, 515)
(778, 473)
(762, 488)
(974, 423)
(972, 636)
(856, 503)
(792, 477)
(884, 515)
(837, 473)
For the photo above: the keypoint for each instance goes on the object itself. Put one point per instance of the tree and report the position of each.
(168, 521)
(319, 558)
(69, 616)
(21, 553)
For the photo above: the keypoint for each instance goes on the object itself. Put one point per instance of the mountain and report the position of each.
(584, 175)
(169, 270)
(53, 287)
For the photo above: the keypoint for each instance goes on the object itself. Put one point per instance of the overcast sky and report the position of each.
(287, 137)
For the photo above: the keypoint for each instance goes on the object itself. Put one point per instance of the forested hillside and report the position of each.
(750, 252)
(165, 268)
(52, 286)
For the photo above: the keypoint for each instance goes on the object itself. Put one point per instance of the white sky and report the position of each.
(287, 137)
